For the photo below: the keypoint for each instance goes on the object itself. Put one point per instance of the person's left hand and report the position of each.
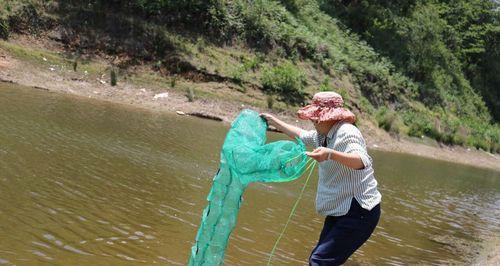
(320, 154)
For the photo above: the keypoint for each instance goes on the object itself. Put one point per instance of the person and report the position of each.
(347, 191)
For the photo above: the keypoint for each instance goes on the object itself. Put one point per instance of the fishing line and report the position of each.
(310, 167)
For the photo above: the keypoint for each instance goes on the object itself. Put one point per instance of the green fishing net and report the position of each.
(245, 158)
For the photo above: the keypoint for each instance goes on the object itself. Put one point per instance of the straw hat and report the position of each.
(326, 106)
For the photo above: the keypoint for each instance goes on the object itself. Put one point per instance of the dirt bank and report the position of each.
(41, 64)
(490, 254)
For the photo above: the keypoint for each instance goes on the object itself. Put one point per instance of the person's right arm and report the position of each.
(290, 130)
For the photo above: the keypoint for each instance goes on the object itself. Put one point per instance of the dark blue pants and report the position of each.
(342, 235)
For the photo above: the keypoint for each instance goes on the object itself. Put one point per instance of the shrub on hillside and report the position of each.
(287, 82)
(251, 63)
(190, 94)
(4, 29)
(270, 101)
(389, 120)
(113, 77)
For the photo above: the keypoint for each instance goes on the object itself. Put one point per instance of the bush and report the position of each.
(325, 85)
(4, 29)
(449, 129)
(270, 101)
(366, 106)
(251, 63)
(481, 144)
(190, 94)
(389, 120)
(113, 77)
(173, 81)
(75, 64)
(237, 75)
(287, 82)
(495, 148)
(417, 122)
(495, 138)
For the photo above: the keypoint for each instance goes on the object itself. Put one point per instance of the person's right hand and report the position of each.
(271, 120)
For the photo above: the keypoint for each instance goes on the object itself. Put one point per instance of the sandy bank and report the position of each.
(61, 78)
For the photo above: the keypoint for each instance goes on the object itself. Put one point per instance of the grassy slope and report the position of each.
(329, 56)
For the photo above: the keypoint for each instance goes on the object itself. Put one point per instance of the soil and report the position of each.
(490, 254)
(60, 79)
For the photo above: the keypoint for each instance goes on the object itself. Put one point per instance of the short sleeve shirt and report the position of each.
(337, 183)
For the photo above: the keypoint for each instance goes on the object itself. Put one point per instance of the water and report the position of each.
(85, 182)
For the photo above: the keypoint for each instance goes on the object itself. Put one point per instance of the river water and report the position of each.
(87, 182)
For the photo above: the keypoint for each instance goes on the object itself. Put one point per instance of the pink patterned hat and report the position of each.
(326, 106)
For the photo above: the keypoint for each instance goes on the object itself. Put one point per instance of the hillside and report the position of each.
(422, 68)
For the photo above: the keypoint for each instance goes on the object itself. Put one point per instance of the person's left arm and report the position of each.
(351, 150)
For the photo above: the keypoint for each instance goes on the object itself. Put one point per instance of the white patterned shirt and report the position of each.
(337, 183)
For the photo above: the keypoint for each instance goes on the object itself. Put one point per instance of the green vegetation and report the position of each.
(190, 94)
(450, 50)
(4, 23)
(449, 47)
(34, 55)
(237, 75)
(287, 82)
(389, 120)
(270, 101)
(113, 77)
(4, 29)
(173, 81)
(422, 68)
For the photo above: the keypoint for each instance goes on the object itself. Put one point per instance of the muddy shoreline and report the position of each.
(159, 96)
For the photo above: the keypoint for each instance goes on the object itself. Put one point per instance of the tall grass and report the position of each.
(287, 82)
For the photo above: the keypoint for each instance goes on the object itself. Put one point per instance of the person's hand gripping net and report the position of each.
(321, 154)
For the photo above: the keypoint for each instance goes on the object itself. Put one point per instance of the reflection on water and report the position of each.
(86, 182)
